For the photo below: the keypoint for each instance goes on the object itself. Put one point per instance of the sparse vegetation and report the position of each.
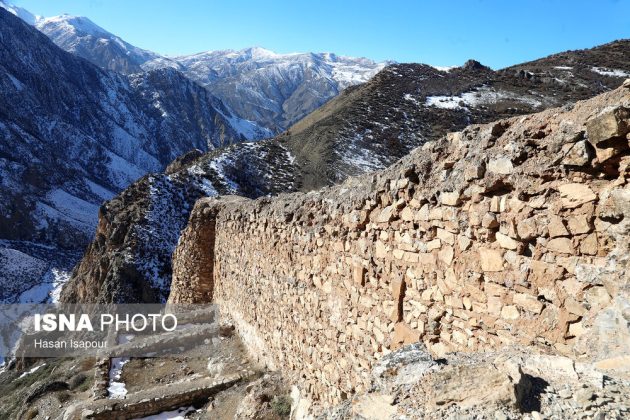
(281, 405)
(77, 380)
(31, 413)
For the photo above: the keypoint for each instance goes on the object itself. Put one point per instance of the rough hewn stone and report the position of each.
(534, 255)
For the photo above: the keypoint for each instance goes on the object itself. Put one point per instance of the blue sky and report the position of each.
(497, 33)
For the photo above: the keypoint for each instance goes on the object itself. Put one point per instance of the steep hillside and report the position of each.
(364, 129)
(80, 36)
(371, 126)
(130, 257)
(272, 90)
(74, 135)
(275, 90)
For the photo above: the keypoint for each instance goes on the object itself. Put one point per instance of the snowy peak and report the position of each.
(20, 12)
(78, 25)
(275, 90)
(265, 92)
(83, 37)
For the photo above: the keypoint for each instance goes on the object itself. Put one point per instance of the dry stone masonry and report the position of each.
(511, 233)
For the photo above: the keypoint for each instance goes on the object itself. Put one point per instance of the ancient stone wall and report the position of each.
(509, 233)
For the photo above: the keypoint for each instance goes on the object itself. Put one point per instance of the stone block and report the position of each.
(561, 245)
(613, 123)
(450, 198)
(491, 259)
(501, 165)
(574, 195)
(506, 242)
(528, 302)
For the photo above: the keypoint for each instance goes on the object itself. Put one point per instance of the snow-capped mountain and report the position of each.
(73, 135)
(275, 90)
(81, 36)
(20, 12)
(271, 90)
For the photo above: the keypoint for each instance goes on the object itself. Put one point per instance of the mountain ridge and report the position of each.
(368, 127)
(274, 90)
(74, 135)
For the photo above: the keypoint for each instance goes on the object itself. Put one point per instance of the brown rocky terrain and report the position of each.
(373, 125)
(505, 236)
(364, 129)
(204, 372)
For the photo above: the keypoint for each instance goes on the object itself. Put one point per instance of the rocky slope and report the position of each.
(513, 233)
(366, 128)
(130, 257)
(275, 90)
(371, 126)
(74, 135)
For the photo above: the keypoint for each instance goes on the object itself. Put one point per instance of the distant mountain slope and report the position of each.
(365, 128)
(73, 135)
(81, 36)
(275, 90)
(271, 90)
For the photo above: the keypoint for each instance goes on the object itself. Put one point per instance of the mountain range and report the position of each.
(74, 135)
(78, 127)
(365, 128)
(274, 90)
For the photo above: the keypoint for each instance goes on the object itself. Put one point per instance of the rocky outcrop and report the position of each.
(510, 233)
(509, 384)
(129, 259)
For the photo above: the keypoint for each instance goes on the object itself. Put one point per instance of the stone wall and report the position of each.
(515, 232)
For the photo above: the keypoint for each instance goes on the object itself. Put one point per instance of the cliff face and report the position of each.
(129, 259)
(510, 233)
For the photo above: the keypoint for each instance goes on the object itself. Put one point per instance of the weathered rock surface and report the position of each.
(326, 284)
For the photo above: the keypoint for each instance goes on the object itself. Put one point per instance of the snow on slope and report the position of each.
(265, 92)
(33, 273)
(271, 89)
(22, 13)
(73, 135)
(477, 97)
(611, 72)
(83, 37)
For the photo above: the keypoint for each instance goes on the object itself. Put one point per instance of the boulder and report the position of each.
(608, 125)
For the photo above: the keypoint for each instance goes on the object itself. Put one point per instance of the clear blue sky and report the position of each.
(497, 33)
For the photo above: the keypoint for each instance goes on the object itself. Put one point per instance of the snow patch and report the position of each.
(610, 72)
(117, 388)
(445, 69)
(248, 129)
(28, 372)
(179, 414)
(121, 172)
(479, 97)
